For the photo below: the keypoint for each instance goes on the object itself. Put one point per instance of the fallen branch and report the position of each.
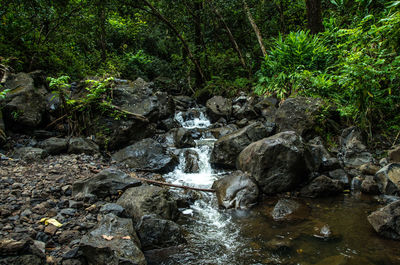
(134, 115)
(169, 184)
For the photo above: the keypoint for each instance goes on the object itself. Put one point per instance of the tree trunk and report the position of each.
(255, 28)
(180, 37)
(314, 16)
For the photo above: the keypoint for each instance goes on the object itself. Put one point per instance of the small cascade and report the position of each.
(212, 234)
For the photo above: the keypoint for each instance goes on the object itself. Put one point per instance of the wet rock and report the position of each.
(191, 161)
(246, 110)
(158, 256)
(353, 151)
(289, 210)
(228, 147)
(184, 102)
(323, 161)
(222, 131)
(108, 182)
(394, 154)
(147, 155)
(30, 153)
(369, 169)
(113, 241)
(278, 163)
(183, 138)
(113, 208)
(236, 190)
(144, 200)
(219, 107)
(322, 186)
(341, 175)
(267, 107)
(25, 104)
(82, 146)
(388, 179)
(279, 245)
(299, 114)
(155, 233)
(386, 221)
(54, 145)
(369, 186)
(343, 260)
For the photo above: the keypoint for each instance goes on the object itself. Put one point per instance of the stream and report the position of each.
(217, 236)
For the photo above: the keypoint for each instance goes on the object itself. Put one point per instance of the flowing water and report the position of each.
(218, 236)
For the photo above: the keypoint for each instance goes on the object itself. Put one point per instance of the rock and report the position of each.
(222, 131)
(322, 186)
(113, 208)
(236, 190)
(344, 260)
(191, 161)
(147, 155)
(299, 114)
(25, 104)
(144, 200)
(67, 236)
(267, 107)
(368, 169)
(113, 241)
(183, 138)
(106, 183)
(228, 147)
(289, 210)
(353, 152)
(184, 102)
(155, 233)
(369, 186)
(246, 110)
(394, 154)
(82, 145)
(219, 107)
(383, 162)
(340, 174)
(278, 163)
(386, 221)
(388, 179)
(279, 245)
(323, 161)
(51, 229)
(23, 252)
(30, 153)
(54, 145)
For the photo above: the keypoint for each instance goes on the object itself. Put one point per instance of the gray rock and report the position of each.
(30, 153)
(54, 145)
(82, 146)
(289, 210)
(147, 155)
(246, 110)
(183, 138)
(155, 233)
(191, 161)
(106, 183)
(386, 221)
(278, 163)
(353, 151)
(388, 179)
(369, 186)
(236, 190)
(123, 246)
(113, 208)
(219, 107)
(267, 107)
(144, 200)
(322, 186)
(222, 131)
(340, 174)
(228, 147)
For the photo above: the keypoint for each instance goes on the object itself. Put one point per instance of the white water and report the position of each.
(212, 235)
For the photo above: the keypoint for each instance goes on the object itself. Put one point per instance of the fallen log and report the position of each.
(169, 184)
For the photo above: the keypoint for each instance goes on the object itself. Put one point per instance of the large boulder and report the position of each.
(113, 241)
(353, 152)
(388, 179)
(144, 200)
(81, 145)
(219, 107)
(245, 109)
(147, 155)
(54, 145)
(25, 104)
(278, 163)
(386, 221)
(228, 147)
(155, 233)
(106, 183)
(236, 190)
(299, 114)
(322, 186)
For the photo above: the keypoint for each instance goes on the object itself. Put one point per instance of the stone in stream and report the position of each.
(322, 186)
(155, 233)
(106, 183)
(386, 220)
(80, 145)
(277, 163)
(388, 179)
(290, 210)
(144, 200)
(147, 155)
(183, 138)
(113, 241)
(228, 147)
(191, 161)
(236, 190)
(219, 107)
